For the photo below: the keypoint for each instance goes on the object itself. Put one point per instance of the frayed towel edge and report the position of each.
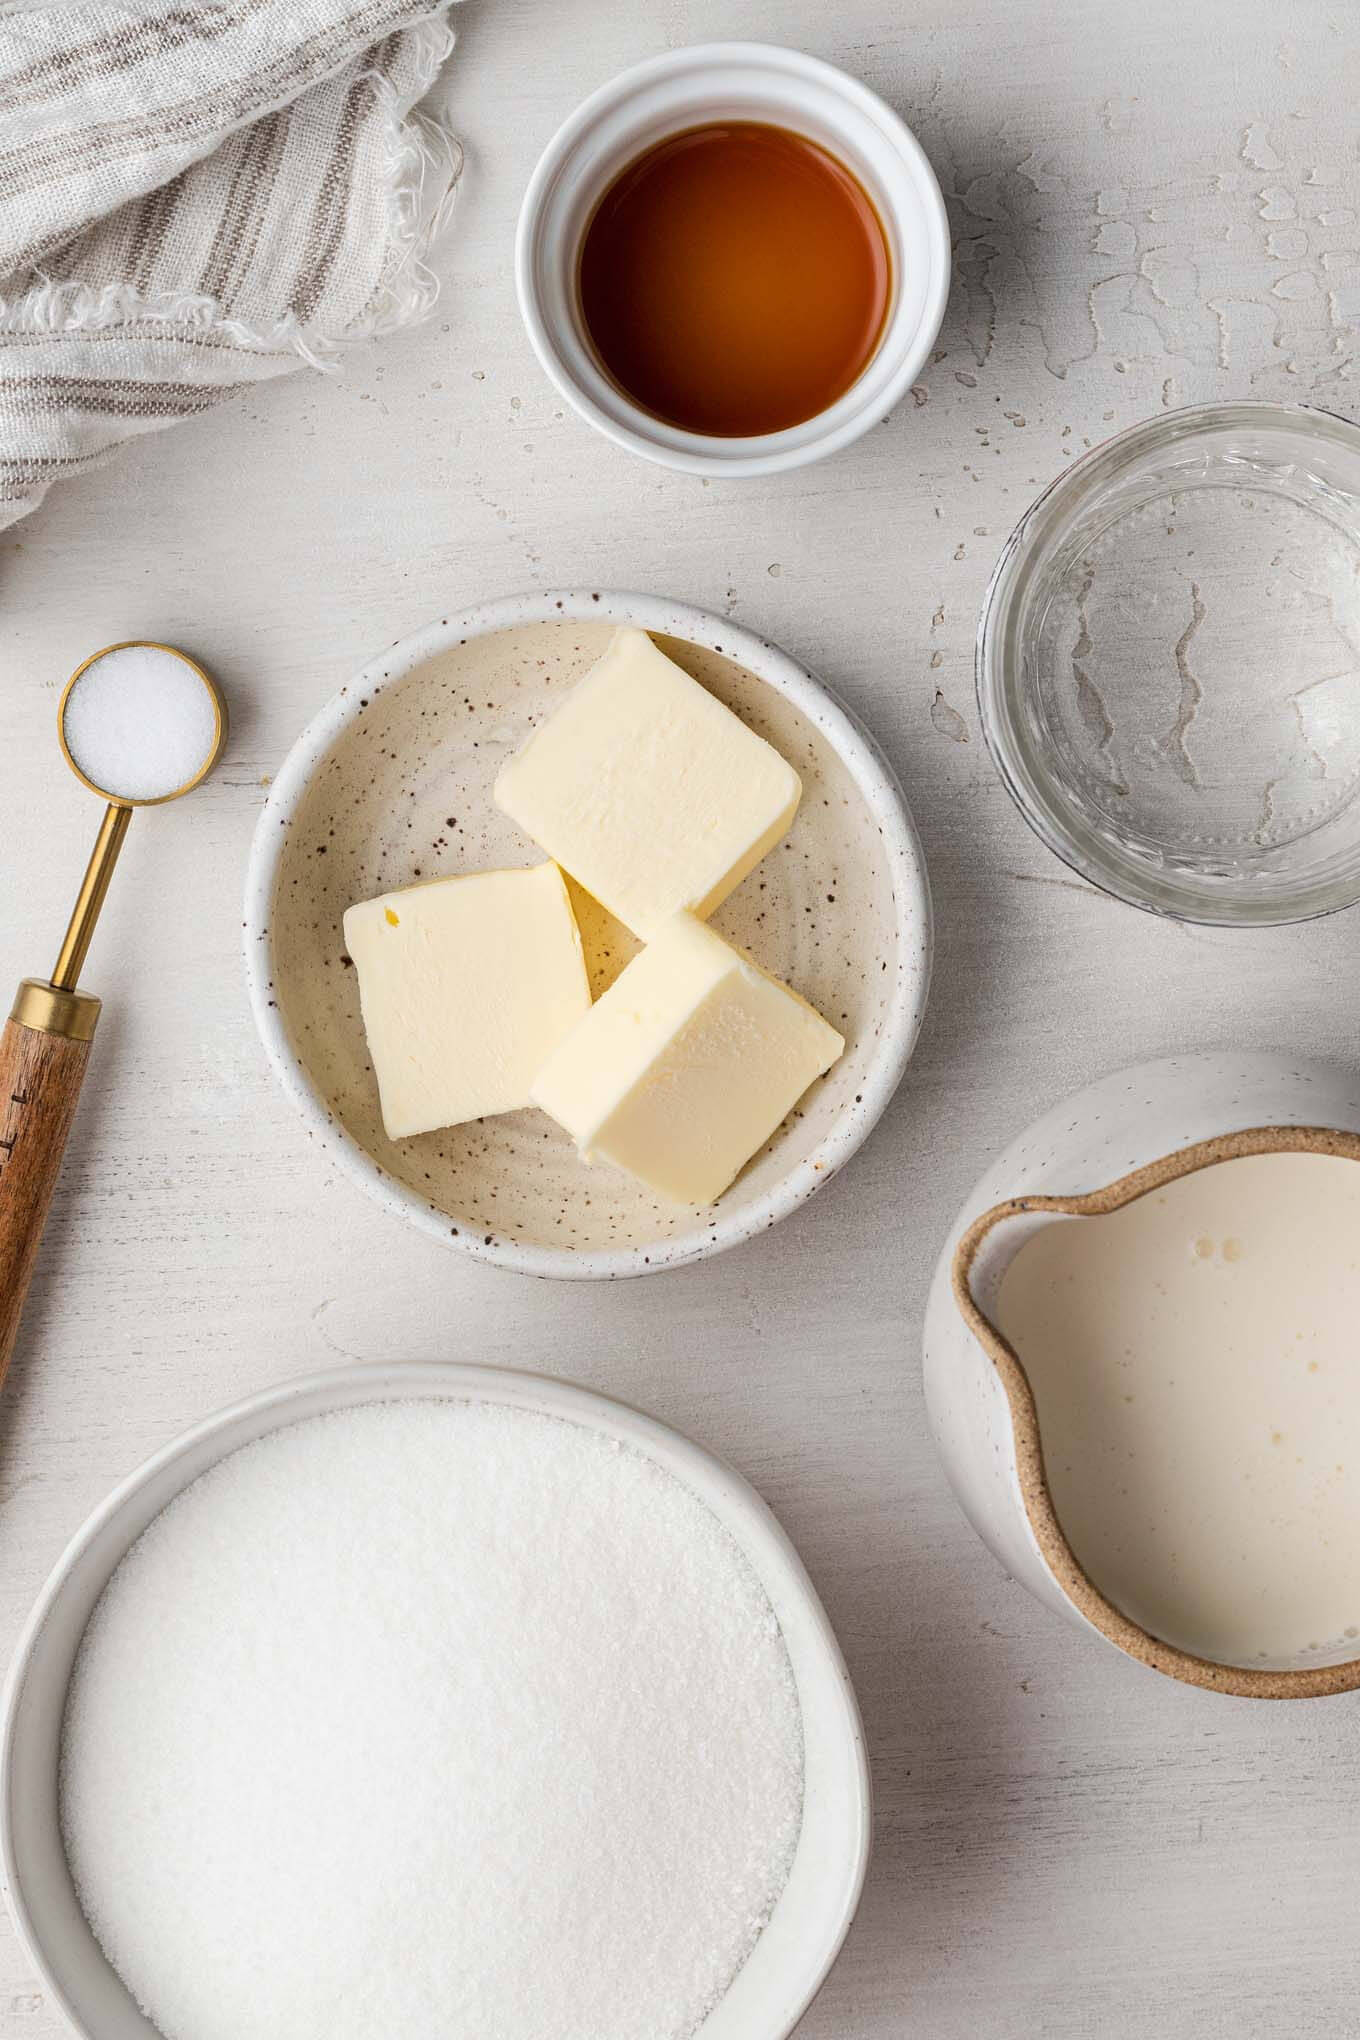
(424, 163)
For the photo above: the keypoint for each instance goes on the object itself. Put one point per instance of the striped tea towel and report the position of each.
(198, 194)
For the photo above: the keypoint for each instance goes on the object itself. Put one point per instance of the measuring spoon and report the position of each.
(139, 724)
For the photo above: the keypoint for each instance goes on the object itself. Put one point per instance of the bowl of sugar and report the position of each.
(398, 783)
(433, 1700)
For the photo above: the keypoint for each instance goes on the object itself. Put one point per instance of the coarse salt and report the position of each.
(140, 723)
(434, 1721)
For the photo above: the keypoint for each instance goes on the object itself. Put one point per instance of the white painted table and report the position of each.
(1153, 204)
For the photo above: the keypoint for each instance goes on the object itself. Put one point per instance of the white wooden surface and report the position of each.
(1153, 204)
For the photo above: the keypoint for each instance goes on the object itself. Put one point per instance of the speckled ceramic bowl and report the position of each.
(392, 782)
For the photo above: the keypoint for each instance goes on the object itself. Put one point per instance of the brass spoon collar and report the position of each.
(48, 1009)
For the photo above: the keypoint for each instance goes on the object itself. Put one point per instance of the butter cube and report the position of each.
(686, 1065)
(466, 985)
(651, 793)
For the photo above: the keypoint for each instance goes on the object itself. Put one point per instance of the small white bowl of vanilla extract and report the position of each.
(733, 259)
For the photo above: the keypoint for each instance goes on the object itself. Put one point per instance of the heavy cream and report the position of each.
(1195, 1359)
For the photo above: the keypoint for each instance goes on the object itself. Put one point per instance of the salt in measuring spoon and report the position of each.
(139, 724)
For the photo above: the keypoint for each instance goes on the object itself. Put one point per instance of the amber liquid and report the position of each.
(734, 280)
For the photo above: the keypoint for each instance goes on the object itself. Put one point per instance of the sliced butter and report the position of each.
(651, 793)
(467, 985)
(686, 1065)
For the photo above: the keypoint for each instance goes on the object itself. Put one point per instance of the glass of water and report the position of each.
(1169, 664)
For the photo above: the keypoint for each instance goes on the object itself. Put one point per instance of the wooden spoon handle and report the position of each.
(42, 1066)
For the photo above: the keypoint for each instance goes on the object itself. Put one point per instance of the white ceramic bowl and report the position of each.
(393, 781)
(685, 88)
(813, 1914)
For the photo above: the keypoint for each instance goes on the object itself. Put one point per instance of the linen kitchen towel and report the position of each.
(196, 195)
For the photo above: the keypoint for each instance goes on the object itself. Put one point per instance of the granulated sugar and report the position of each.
(432, 1721)
(139, 722)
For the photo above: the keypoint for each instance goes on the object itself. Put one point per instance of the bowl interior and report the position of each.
(403, 791)
(814, 1910)
(1181, 645)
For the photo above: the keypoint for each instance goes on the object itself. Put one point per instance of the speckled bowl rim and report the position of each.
(738, 1505)
(878, 787)
(1244, 1681)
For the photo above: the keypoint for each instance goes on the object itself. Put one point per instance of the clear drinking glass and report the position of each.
(1168, 664)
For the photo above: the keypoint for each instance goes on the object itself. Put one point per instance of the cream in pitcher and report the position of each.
(1195, 1361)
